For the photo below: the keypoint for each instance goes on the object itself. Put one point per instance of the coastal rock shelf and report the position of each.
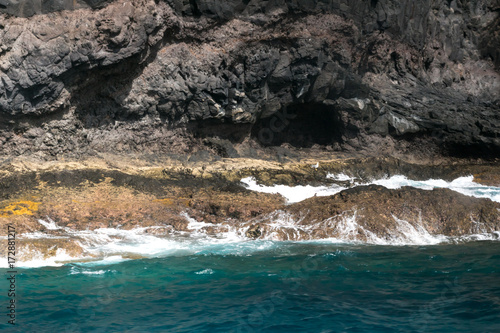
(90, 213)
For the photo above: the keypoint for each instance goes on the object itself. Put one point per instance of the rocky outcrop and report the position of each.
(58, 206)
(376, 214)
(27, 8)
(381, 77)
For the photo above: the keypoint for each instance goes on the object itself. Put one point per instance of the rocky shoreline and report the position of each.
(69, 197)
(147, 114)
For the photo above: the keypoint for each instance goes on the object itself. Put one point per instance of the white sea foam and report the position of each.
(207, 271)
(38, 260)
(51, 225)
(41, 235)
(409, 234)
(340, 177)
(347, 231)
(108, 246)
(91, 262)
(195, 225)
(105, 242)
(464, 185)
(79, 270)
(292, 193)
(487, 236)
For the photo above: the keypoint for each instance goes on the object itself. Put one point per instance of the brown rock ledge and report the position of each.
(375, 213)
(156, 195)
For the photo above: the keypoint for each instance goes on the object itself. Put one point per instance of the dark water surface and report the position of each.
(284, 287)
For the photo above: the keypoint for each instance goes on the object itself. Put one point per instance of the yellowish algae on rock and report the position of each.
(23, 207)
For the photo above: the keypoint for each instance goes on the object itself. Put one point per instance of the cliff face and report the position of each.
(379, 76)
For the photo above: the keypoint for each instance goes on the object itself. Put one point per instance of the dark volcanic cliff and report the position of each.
(379, 76)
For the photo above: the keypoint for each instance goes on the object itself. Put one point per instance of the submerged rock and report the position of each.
(253, 232)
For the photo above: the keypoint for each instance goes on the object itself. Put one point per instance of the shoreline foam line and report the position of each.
(293, 194)
(135, 244)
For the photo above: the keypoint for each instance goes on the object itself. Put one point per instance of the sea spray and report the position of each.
(104, 245)
(464, 185)
(111, 246)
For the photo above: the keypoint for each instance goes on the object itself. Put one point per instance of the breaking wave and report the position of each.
(293, 193)
(109, 246)
(106, 246)
(347, 230)
(464, 185)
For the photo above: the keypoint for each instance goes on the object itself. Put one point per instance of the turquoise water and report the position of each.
(284, 287)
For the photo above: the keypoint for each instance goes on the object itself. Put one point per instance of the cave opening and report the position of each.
(215, 128)
(302, 126)
(194, 8)
(471, 150)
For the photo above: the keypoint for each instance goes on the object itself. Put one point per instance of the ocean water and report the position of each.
(266, 286)
(137, 281)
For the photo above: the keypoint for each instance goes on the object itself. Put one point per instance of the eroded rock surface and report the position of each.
(375, 214)
(62, 207)
(383, 77)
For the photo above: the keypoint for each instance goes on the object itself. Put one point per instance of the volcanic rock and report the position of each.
(379, 77)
